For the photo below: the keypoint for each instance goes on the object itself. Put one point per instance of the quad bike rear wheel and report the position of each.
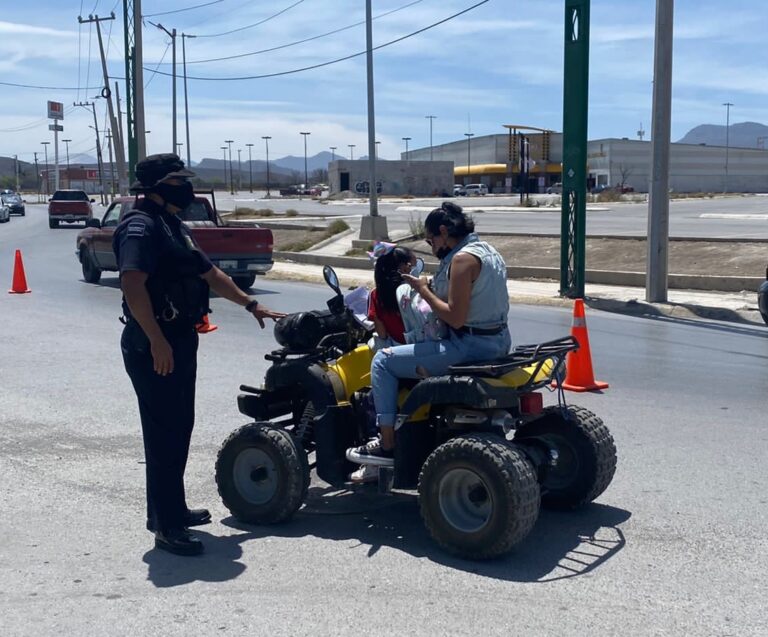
(585, 455)
(262, 474)
(478, 496)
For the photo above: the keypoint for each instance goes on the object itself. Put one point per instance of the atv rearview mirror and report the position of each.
(329, 274)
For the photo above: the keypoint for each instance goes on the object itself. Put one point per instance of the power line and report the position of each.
(197, 6)
(152, 77)
(255, 24)
(53, 88)
(341, 59)
(305, 40)
(35, 124)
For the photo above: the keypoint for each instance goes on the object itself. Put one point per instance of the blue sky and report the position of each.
(499, 63)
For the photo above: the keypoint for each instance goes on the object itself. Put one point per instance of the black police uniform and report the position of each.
(151, 241)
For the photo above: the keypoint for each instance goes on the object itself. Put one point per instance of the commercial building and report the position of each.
(497, 160)
(404, 177)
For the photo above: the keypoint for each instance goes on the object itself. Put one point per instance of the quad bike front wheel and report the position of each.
(261, 474)
(478, 495)
(584, 455)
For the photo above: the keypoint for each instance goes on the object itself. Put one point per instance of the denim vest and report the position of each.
(489, 300)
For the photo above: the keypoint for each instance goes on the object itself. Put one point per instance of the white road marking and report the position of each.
(498, 210)
(732, 215)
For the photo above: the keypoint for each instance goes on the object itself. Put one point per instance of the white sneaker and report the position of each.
(366, 473)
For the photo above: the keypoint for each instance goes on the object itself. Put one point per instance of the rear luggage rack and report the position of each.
(522, 356)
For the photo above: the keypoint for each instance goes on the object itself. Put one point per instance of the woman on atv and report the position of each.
(468, 293)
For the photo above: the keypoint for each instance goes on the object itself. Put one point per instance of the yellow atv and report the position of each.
(477, 443)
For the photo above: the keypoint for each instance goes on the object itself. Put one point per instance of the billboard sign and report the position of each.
(55, 110)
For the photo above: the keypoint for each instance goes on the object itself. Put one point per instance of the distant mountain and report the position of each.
(290, 162)
(744, 135)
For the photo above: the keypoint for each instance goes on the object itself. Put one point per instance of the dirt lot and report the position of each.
(726, 258)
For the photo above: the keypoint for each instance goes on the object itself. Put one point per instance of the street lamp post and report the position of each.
(727, 140)
(377, 150)
(250, 168)
(266, 139)
(351, 152)
(69, 179)
(306, 177)
(406, 140)
(469, 136)
(45, 146)
(430, 118)
(184, 36)
(224, 152)
(239, 171)
(178, 148)
(229, 143)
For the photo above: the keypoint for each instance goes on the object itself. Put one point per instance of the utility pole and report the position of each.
(134, 85)
(37, 178)
(172, 35)
(184, 36)
(106, 93)
(351, 152)
(658, 195)
(229, 143)
(406, 140)
(98, 147)
(372, 227)
(45, 147)
(727, 139)
(250, 168)
(111, 165)
(266, 139)
(224, 148)
(430, 118)
(69, 178)
(333, 152)
(16, 170)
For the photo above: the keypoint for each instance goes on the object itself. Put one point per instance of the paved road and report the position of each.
(675, 546)
(727, 217)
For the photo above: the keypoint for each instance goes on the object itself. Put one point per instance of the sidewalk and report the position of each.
(740, 307)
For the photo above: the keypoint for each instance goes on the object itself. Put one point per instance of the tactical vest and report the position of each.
(179, 296)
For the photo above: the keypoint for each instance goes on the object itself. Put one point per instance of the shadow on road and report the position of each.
(218, 563)
(560, 546)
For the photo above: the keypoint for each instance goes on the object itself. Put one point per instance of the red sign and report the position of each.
(55, 110)
(91, 174)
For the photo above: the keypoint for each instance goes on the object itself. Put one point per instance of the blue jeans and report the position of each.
(431, 358)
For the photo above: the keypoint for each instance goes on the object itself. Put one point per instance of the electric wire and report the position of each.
(255, 24)
(197, 6)
(305, 40)
(330, 62)
(152, 76)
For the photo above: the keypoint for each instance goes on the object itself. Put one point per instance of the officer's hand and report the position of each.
(162, 355)
(260, 313)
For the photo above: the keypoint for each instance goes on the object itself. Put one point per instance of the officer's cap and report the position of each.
(157, 168)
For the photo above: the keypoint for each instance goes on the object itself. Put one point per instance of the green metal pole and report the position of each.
(575, 113)
(130, 74)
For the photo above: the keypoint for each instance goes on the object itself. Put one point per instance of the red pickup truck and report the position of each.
(241, 252)
(69, 206)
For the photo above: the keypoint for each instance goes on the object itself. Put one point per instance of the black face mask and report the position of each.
(442, 252)
(179, 196)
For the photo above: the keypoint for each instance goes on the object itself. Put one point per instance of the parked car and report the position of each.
(555, 189)
(475, 189)
(69, 206)
(14, 201)
(240, 251)
(458, 190)
(5, 213)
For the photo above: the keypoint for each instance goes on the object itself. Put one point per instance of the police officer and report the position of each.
(165, 281)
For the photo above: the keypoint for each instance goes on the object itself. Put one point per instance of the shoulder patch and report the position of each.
(136, 228)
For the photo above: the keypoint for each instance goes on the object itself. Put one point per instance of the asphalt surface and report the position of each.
(676, 545)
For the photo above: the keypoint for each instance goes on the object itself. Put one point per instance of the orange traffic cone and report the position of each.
(19, 285)
(578, 364)
(205, 326)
